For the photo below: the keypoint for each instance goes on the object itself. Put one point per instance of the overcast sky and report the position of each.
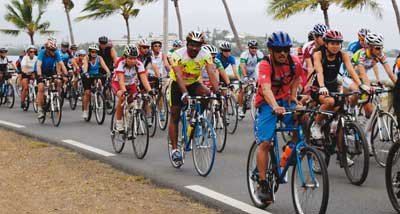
(250, 16)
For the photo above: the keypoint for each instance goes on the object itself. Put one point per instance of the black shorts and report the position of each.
(175, 93)
(44, 75)
(153, 81)
(88, 82)
(26, 76)
(331, 88)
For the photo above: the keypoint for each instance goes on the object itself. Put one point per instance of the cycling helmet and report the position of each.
(131, 50)
(143, 42)
(103, 40)
(156, 42)
(195, 36)
(31, 47)
(210, 48)
(73, 46)
(3, 49)
(374, 39)
(333, 36)
(94, 47)
(65, 44)
(252, 43)
(81, 52)
(177, 43)
(279, 39)
(363, 32)
(51, 43)
(225, 46)
(311, 36)
(319, 29)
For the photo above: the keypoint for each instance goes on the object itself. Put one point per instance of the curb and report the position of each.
(155, 180)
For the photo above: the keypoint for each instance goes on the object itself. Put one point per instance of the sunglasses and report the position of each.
(3, 51)
(253, 48)
(32, 51)
(195, 44)
(281, 49)
(157, 46)
(132, 57)
(93, 51)
(378, 48)
(226, 50)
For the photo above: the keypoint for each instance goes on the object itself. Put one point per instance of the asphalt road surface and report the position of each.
(225, 187)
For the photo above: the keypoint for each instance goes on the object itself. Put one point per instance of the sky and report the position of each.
(250, 16)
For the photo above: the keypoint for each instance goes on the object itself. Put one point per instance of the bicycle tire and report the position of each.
(10, 96)
(253, 106)
(232, 110)
(73, 98)
(205, 128)
(118, 147)
(110, 100)
(219, 124)
(27, 101)
(153, 127)
(314, 155)
(392, 159)
(56, 114)
(34, 100)
(140, 128)
(162, 124)
(99, 108)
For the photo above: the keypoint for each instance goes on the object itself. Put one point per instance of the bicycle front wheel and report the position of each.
(34, 99)
(118, 139)
(163, 115)
(384, 129)
(10, 96)
(253, 106)
(27, 100)
(140, 131)
(73, 98)
(232, 115)
(56, 111)
(153, 119)
(204, 147)
(310, 191)
(219, 124)
(110, 100)
(355, 154)
(99, 108)
(392, 176)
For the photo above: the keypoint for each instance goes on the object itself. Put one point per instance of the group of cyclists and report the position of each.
(284, 80)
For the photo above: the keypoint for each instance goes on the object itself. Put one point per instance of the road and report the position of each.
(226, 182)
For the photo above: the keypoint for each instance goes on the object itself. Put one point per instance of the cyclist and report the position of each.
(110, 57)
(187, 64)
(19, 69)
(48, 63)
(396, 66)
(359, 44)
(318, 33)
(278, 80)
(27, 66)
(91, 68)
(124, 80)
(4, 63)
(67, 56)
(73, 49)
(247, 68)
(79, 61)
(217, 68)
(176, 44)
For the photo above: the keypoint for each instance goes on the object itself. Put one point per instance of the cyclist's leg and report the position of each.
(87, 82)
(25, 82)
(176, 104)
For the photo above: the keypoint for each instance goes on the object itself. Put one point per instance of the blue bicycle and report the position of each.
(309, 179)
(7, 95)
(198, 136)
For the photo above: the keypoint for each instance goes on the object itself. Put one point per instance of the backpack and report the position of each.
(278, 83)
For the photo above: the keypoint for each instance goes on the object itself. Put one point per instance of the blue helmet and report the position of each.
(279, 39)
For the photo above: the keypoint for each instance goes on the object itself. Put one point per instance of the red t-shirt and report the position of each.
(281, 71)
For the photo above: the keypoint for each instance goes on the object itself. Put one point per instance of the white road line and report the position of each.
(11, 124)
(89, 148)
(227, 200)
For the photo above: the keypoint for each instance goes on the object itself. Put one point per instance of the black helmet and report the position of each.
(65, 44)
(73, 46)
(156, 42)
(103, 40)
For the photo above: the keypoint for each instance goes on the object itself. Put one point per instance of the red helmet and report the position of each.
(333, 36)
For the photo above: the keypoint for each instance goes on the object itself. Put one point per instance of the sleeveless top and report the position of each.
(93, 69)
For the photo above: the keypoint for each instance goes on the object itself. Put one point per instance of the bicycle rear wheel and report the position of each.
(392, 176)
(99, 108)
(355, 151)
(232, 115)
(118, 139)
(384, 129)
(204, 147)
(312, 195)
(253, 180)
(140, 131)
(56, 112)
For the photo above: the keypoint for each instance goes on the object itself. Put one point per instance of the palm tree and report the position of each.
(68, 5)
(282, 9)
(234, 31)
(20, 14)
(104, 8)
(396, 11)
(178, 16)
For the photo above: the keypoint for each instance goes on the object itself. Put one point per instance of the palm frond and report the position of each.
(10, 32)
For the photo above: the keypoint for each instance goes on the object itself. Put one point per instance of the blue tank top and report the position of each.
(93, 69)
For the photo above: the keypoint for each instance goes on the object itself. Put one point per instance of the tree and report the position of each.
(396, 11)
(20, 14)
(178, 16)
(68, 5)
(283, 9)
(103, 8)
(234, 31)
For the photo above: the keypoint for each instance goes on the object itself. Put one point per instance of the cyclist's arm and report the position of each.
(235, 71)
(243, 69)
(319, 69)
(390, 73)
(23, 65)
(310, 68)
(376, 72)
(166, 62)
(103, 64)
(62, 67)
(74, 64)
(293, 90)
(155, 69)
(269, 95)
(85, 65)
(121, 81)
(39, 68)
(363, 74)
(114, 55)
(179, 80)
(350, 69)
(212, 76)
(222, 72)
(145, 82)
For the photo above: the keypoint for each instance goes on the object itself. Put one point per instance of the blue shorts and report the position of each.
(265, 121)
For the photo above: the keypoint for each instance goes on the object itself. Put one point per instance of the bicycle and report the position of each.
(304, 159)
(162, 107)
(51, 101)
(216, 113)
(109, 96)
(249, 97)
(354, 154)
(231, 111)
(96, 101)
(199, 138)
(135, 127)
(7, 92)
(31, 95)
(392, 175)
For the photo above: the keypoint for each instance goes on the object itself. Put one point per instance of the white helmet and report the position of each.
(210, 48)
(94, 47)
(143, 42)
(81, 52)
(31, 47)
(177, 43)
(374, 39)
(225, 45)
(51, 42)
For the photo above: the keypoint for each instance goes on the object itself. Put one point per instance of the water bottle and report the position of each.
(333, 126)
(286, 154)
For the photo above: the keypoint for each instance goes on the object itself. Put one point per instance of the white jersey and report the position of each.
(28, 63)
(130, 74)
(251, 61)
(158, 61)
